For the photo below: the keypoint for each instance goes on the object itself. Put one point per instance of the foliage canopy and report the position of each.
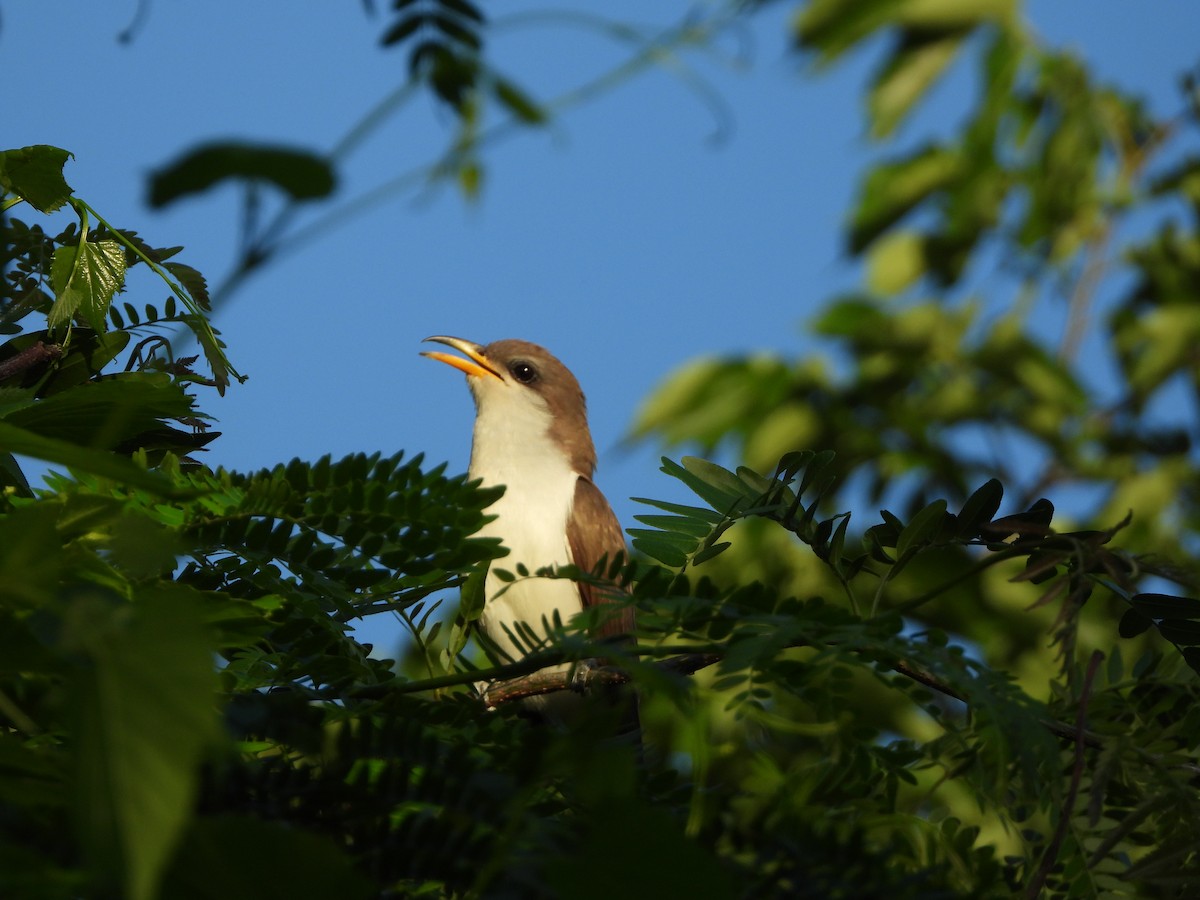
(963, 696)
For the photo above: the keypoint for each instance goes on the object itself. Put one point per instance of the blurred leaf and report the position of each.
(244, 858)
(896, 262)
(832, 27)
(635, 851)
(915, 63)
(300, 174)
(145, 716)
(517, 102)
(892, 190)
(1134, 623)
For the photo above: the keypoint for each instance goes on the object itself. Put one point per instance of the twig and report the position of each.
(584, 677)
(1064, 819)
(28, 358)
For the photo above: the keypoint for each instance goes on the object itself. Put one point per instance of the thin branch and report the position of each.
(275, 241)
(1051, 855)
(584, 677)
(36, 355)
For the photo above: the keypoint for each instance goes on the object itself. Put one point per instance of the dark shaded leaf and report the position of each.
(301, 174)
(1166, 606)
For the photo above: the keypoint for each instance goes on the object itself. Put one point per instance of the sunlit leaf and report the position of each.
(919, 58)
(85, 277)
(36, 174)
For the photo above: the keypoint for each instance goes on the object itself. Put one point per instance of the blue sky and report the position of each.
(623, 237)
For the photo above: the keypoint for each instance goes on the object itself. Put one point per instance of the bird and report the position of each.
(531, 435)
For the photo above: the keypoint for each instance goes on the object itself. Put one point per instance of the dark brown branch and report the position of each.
(36, 355)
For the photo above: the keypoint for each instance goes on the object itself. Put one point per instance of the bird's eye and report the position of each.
(523, 371)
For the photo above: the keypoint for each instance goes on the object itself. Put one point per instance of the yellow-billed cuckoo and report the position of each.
(531, 435)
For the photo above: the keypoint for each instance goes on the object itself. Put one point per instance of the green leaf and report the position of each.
(655, 545)
(1180, 631)
(916, 62)
(704, 514)
(517, 102)
(106, 414)
(146, 713)
(979, 508)
(11, 476)
(893, 189)
(31, 555)
(243, 858)
(301, 174)
(1134, 623)
(679, 524)
(714, 484)
(402, 29)
(35, 174)
(923, 528)
(87, 355)
(97, 462)
(831, 27)
(1166, 606)
(896, 262)
(193, 282)
(85, 277)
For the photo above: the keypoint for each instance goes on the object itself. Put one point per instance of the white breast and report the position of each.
(511, 448)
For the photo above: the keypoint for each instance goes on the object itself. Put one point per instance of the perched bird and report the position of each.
(531, 435)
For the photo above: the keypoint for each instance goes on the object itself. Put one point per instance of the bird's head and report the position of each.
(518, 386)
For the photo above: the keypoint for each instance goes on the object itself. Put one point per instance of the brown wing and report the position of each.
(593, 533)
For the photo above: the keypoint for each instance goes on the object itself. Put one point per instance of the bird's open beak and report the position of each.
(476, 364)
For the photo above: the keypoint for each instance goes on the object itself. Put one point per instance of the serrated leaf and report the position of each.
(85, 277)
(193, 282)
(36, 174)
